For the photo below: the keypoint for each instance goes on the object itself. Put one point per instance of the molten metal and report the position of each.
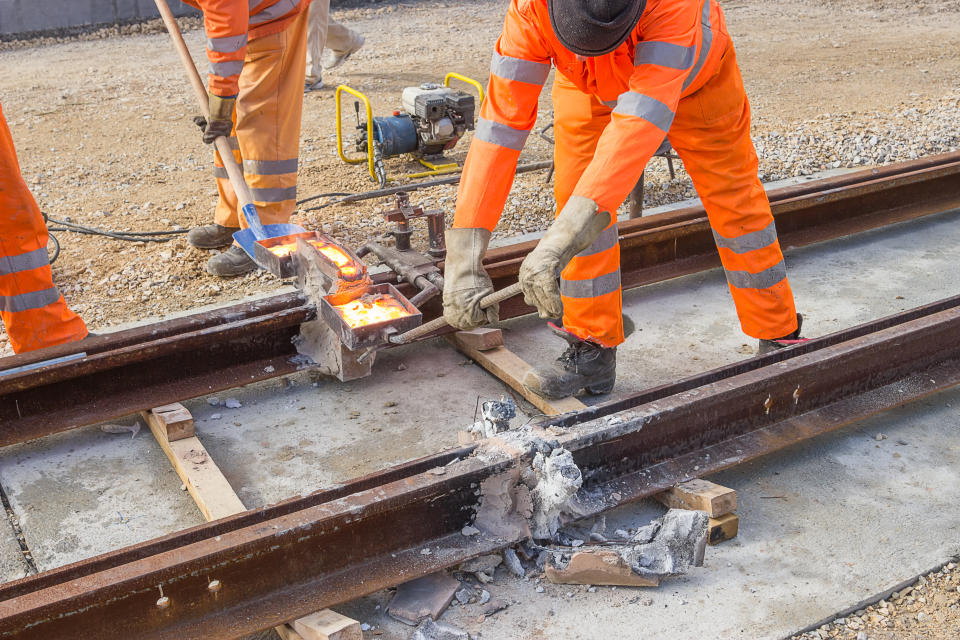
(371, 309)
(331, 252)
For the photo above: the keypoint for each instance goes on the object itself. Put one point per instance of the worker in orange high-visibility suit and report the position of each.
(33, 310)
(629, 73)
(257, 54)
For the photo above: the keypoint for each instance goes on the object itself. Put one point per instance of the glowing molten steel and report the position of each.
(371, 309)
(333, 253)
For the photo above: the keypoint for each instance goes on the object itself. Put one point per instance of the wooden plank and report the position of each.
(511, 369)
(481, 338)
(216, 499)
(176, 421)
(700, 495)
(723, 528)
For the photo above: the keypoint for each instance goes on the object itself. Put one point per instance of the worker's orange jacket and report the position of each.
(230, 24)
(671, 53)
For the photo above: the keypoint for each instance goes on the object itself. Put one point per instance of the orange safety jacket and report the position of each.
(230, 24)
(671, 53)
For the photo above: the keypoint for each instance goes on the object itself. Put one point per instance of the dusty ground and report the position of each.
(102, 126)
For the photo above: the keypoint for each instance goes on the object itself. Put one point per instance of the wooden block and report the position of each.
(723, 528)
(327, 625)
(481, 339)
(700, 495)
(286, 632)
(507, 366)
(597, 567)
(174, 419)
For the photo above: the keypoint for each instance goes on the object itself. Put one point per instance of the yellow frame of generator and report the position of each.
(434, 169)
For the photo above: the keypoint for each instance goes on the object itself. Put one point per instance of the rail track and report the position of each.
(286, 560)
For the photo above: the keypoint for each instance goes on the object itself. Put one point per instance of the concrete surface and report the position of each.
(12, 564)
(823, 525)
(25, 16)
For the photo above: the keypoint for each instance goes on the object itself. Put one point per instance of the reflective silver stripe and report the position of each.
(610, 103)
(749, 241)
(501, 134)
(590, 288)
(226, 69)
(227, 44)
(24, 262)
(519, 69)
(643, 106)
(234, 143)
(220, 172)
(278, 10)
(763, 280)
(606, 240)
(665, 54)
(704, 45)
(270, 167)
(27, 301)
(274, 194)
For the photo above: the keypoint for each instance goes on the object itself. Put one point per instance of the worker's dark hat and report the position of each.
(594, 27)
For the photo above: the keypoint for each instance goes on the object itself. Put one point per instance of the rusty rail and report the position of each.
(283, 561)
(178, 359)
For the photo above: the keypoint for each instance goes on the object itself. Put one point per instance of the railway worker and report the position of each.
(34, 312)
(257, 54)
(340, 41)
(629, 73)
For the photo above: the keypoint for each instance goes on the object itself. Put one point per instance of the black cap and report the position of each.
(594, 27)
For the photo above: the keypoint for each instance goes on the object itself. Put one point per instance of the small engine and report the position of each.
(433, 120)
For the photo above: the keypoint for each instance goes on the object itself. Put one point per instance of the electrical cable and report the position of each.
(127, 236)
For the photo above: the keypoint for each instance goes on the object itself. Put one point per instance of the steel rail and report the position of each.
(283, 561)
(183, 358)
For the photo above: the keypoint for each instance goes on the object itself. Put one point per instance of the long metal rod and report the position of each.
(277, 563)
(145, 367)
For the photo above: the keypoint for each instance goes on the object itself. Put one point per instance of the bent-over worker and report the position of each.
(34, 312)
(629, 73)
(257, 54)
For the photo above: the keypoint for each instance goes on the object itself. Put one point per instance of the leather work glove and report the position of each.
(575, 229)
(465, 281)
(220, 122)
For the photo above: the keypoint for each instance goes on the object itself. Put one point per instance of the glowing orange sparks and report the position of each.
(371, 309)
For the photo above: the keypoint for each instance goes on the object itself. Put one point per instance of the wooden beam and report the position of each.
(481, 338)
(700, 495)
(723, 528)
(509, 368)
(216, 499)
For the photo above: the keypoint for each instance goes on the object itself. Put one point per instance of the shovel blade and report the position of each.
(246, 238)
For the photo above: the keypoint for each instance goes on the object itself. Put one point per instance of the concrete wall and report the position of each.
(19, 16)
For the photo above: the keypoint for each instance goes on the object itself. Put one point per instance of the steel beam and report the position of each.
(184, 358)
(280, 562)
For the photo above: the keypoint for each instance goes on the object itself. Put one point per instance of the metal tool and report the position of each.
(256, 232)
(432, 120)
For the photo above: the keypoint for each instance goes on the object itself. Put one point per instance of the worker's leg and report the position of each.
(590, 284)
(316, 38)
(711, 134)
(33, 311)
(341, 38)
(268, 119)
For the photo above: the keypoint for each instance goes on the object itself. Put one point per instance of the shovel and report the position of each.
(256, 230)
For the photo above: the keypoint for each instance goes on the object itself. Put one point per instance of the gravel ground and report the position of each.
(927, 609)
(106, 140)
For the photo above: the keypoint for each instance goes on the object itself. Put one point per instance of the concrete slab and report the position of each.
(12, 564)
(85, 492)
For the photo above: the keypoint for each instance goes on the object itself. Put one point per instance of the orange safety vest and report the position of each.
(230, 24)
(675, 47)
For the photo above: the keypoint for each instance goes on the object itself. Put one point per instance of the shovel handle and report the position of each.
(244, 197)
(439, 323)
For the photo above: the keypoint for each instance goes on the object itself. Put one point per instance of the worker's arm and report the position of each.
(226, 23)
(518, 71)
(663, 60)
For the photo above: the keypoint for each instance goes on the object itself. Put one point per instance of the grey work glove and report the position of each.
(220, 122)
(575, 229)
(465, 281)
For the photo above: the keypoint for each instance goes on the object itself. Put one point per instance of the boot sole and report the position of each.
(211, 245)
(601, 388)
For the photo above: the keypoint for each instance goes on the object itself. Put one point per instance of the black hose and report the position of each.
(126, 236)
(56, 252)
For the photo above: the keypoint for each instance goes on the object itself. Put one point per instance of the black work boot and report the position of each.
(232, 262)
(766, 346)
(584, 365)
(211, 236)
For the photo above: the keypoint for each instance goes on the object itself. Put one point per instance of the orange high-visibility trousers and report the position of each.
(266, 134)
(711, 134)
(33, 311)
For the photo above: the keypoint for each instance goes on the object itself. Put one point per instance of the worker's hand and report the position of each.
(575, 229)
(220, 122)
(465, 281)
